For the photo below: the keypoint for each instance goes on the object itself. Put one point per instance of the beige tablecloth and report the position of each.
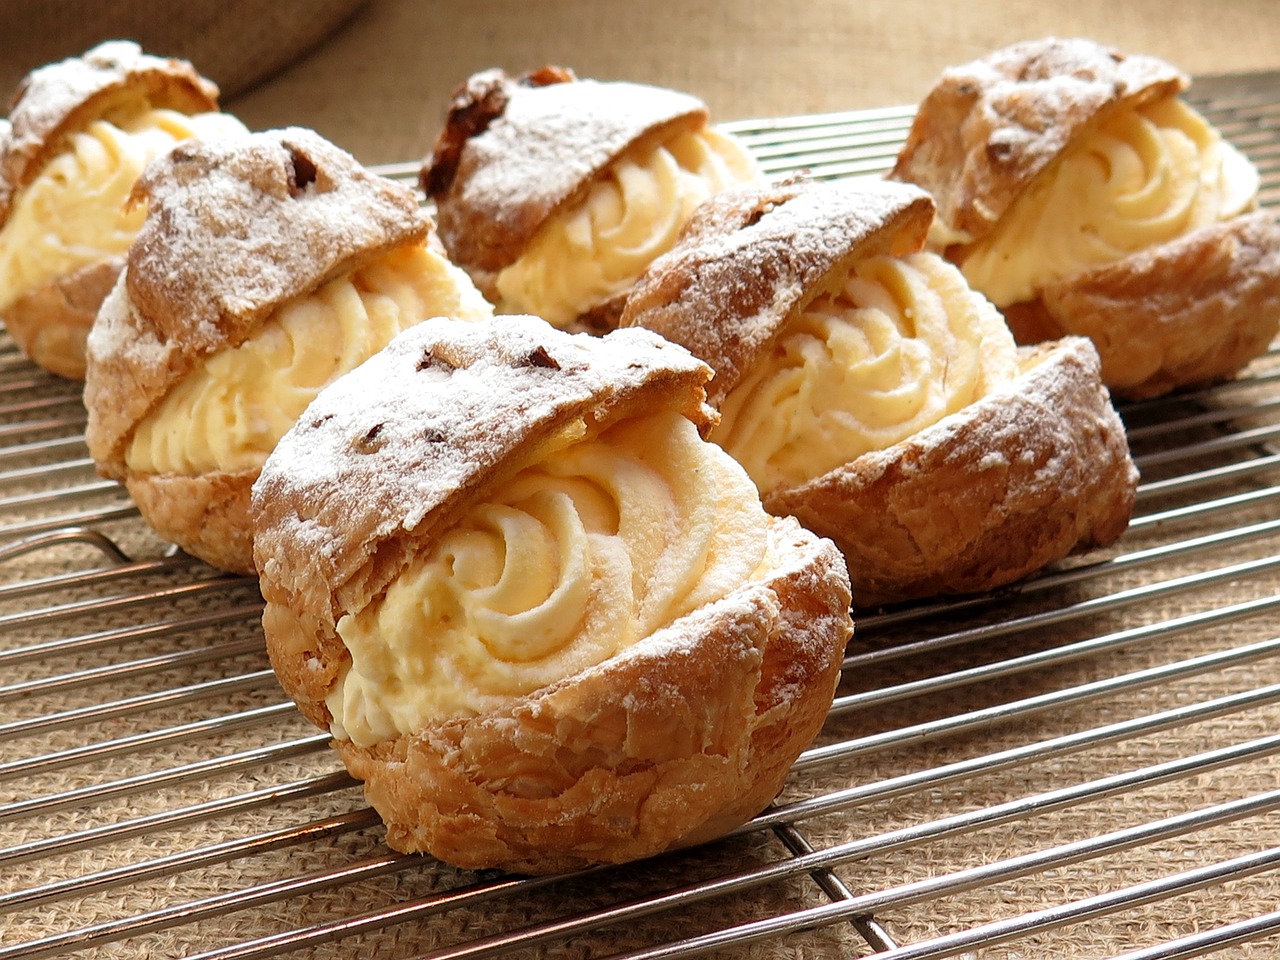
(379, 84)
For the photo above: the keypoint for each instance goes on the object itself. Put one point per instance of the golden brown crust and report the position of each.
(334, 518)
(987, 495)
(50, 324)
(206, 515)
(1188, 312)
(235, 228)
(61, 98)
(751, 257)
(988, 127)
(675, 741)
(515, 150)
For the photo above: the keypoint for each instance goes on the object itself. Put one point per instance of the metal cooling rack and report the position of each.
(1084, 766)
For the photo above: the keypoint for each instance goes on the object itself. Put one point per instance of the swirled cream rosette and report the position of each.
(870, 392)
(267, 266)
(1080, 193)
(546, 621)
(81, 132)
(556, 193)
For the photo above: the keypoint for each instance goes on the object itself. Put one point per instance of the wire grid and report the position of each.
(1084, 765)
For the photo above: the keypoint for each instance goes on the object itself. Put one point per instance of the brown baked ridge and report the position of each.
(676, 740)
(1192, 311)
(235, 229)
(514, 150)
(50, 323)
(984, 497)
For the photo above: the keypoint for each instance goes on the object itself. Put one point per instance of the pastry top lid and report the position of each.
(389, 456)
(752, 257)
(236, 227)
(513, 150)
(61, 98)
(988, 127)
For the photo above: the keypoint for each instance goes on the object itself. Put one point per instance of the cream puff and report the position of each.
(1083, 195)
(555, 192)
(871, 393)
(80, 133)
(546, 622)
(267, 265)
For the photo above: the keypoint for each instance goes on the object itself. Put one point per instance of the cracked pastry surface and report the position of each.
(546, 621)
(556, 193)
(268, 265)
(841, 349)
(82, 132)
(1075, 187)
(902, 343)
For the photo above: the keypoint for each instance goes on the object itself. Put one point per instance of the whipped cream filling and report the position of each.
(580, 555)
(72, 215)
(585, 255)
(1144, 178)
(903, 344)
(230, 412)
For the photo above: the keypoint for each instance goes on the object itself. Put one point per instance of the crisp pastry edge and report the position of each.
(1185, 313)
(676, 741)
(1014, 481)
(51, 323)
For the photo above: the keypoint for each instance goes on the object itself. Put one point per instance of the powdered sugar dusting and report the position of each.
(239, 224)
(988, 127)
(751, 254)
(235, 227)
(399, 443)
(548, 143)
(72, 92)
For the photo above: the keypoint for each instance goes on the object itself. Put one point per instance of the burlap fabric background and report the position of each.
(379, 84)
(375, 77)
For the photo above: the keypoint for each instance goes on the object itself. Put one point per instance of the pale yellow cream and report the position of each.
(577, 557)
(1146, 177)
(73, 214)
(587, 254)
(230, 412)
(903, 344)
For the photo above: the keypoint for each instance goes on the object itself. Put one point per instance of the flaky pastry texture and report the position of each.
(674, 740)
(989, 127)
(1030, 466)
(514, 149)
(1187, 313)
(752, 256)
(1017, 480)
(50, 321)
(57, 99)
(1177, 309)
(555, 192)
(235, 229)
